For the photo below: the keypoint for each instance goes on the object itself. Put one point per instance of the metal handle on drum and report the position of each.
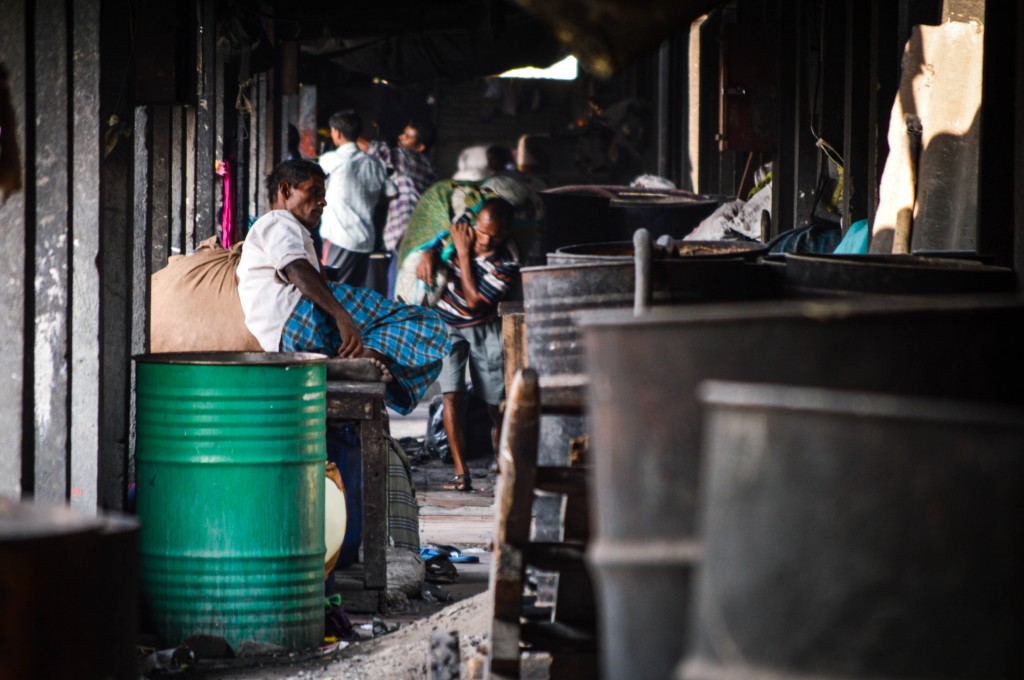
(642, 258)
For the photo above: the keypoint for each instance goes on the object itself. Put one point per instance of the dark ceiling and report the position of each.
(403, 41)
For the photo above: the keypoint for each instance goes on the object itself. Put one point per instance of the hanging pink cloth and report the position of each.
(227, 219)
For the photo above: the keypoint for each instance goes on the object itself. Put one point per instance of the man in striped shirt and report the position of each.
(483, 268)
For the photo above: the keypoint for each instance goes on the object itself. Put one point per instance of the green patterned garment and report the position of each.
(447, 199)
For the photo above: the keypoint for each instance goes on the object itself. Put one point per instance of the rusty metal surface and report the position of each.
(645, 419)
(600, 213)
(896, 274)
(859, 535)
(622, 251)
(554, 295)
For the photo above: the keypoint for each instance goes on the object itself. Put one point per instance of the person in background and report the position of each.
(411, 174)
(500, 160)
(355, 181)
(484, 267)
(290, 307)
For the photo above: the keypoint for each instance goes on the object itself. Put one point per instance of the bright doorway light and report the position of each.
(563, 70)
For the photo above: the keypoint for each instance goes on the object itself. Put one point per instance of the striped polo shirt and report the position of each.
(494, 275)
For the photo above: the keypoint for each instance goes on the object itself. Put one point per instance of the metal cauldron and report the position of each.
(858, 535)
(597, 213)
(623, 251)
(894, 275)
(645, 424)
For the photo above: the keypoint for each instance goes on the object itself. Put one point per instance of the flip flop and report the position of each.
(456, 556)
(458, 483)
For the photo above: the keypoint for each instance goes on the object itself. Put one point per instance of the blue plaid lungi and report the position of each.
(413, 339)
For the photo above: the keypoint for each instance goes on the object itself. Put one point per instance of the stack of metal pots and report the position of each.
(809, 549)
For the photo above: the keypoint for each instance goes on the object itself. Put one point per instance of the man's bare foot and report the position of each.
(377, 360)
(360, 368)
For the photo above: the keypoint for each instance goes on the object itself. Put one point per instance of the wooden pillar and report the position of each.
(160, 207)
(785, 167)
(52, 137)
(14, 61)
(189, 173)
(176, 157)
(116, 238)
(999, 115)
(85, 256)
(857, 135)
(1018, 153)
(207, 99)
(141, 240)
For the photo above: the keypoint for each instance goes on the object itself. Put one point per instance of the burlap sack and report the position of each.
(195, 305)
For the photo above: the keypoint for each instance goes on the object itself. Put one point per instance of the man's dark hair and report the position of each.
(500, 158)
(293, 173)
(348, 123)
(500, 210)
(426, 132)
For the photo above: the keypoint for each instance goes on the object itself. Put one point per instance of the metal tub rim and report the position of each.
(891, 406)
(824, 311)
(231, 358)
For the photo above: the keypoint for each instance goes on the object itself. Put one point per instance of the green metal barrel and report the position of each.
(230, 453)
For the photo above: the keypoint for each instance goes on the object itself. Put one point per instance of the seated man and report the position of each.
(484, 266)
(290, 307)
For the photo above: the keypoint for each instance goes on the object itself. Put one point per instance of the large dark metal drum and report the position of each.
(554, 296)
(68, 585)
(623, 251)
(645, 425)
(593, 214)
(858, 535)
(894, 275)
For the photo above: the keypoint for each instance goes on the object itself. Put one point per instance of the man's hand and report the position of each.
(351, 338)
(312, 285)
(427, 268)
(463, 236)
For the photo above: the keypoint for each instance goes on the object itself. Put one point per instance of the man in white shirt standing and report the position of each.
(355, 181)
(290, 307)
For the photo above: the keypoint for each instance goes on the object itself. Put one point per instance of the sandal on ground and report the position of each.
(458, 483)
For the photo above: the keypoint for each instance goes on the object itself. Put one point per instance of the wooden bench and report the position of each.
(363, 586)
(569, 635)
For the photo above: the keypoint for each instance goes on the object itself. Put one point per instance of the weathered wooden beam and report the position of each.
(266, 143)
(12, 259)
(177, 182)
(858, 137)
(141, 240)
(116, 188)
(996, 183)
(85, 255)
(160, 182)
(52, 137)
(207, 98)
(189, 123)
(220, 111)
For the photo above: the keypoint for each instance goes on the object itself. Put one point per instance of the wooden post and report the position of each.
(207, 98)
(51, 246)
(13, 260)
(86, 284)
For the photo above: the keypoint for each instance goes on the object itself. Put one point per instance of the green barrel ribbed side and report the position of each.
(230, 491)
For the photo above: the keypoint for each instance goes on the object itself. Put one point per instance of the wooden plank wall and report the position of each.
(113, 187)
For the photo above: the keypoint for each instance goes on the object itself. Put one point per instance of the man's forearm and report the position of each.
(311, 284)
(470, 290)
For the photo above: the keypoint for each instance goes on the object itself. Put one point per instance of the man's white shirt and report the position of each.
(276, 240)
(354, 183)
